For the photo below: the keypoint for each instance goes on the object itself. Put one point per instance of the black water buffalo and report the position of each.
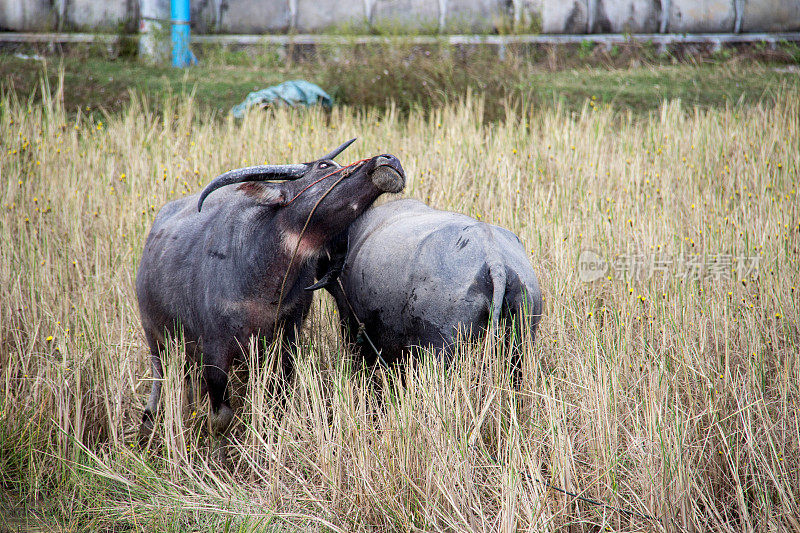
(414, 275)
(226, 267)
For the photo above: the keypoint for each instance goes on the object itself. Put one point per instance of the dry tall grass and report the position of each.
(668, 395)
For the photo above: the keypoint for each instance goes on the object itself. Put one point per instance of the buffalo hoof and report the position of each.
(146, 429)
(219, 452)
(219, 422)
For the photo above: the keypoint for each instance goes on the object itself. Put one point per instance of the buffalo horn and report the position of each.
(256, 173)
(337, 151)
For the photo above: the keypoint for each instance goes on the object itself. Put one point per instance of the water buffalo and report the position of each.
(414, 275)
(233, 265)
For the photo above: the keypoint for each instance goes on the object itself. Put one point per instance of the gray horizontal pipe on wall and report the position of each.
(658, 39)
(409, 16)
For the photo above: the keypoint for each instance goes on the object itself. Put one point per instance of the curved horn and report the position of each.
(339, 150)
(256, 173)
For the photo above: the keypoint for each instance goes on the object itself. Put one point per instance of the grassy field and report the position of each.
(410, 79)
(668, 387)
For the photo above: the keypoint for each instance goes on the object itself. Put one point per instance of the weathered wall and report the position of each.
(411, 13)
(27, 15)
(241, 16)
(465, 16)
(106, 15)
(771, 15)
(317, 15)
(568, 16)
(627, 16)
(701, 16)
(401, 16)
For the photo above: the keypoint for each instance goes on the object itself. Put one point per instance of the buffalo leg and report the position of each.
(151, 409)
(288, 348)
(215, 372)
(192, 356)
(516, 326)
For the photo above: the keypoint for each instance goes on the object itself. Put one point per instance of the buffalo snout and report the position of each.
(388, 174)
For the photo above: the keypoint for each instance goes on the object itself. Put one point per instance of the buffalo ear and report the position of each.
(266, 193)
(329, 268)
(326, 281)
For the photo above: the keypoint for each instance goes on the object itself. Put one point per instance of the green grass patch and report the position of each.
(406, 78)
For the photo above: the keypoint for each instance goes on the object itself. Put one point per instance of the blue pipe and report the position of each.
(182, 55)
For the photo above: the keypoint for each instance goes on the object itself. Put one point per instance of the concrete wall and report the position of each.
(241, 16)
(317, 15)
(567, 16)
(89, 14)
(403, 16)
(388, 14)
(27, 15)
(687, 16)
(627, 16)
(770, 15)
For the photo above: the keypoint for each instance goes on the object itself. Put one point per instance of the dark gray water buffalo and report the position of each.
(414, 275)
(233, 265)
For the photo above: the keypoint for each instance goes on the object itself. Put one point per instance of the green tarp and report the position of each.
(291, 93)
